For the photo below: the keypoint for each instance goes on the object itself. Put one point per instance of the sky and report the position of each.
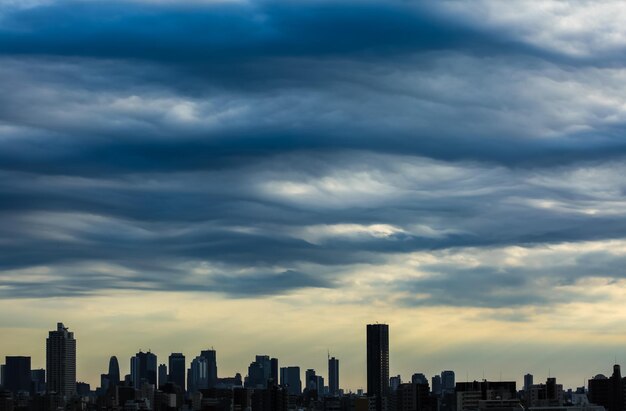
(268, 177)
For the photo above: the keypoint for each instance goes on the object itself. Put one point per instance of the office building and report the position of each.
(114, 372)
(143, 369)
(177, 368)
(38, 377)
(290, 379)
(61, 362)
(447, 381)
(163, 377)
(17, 374)
(528, 381)
(333, 376)
(274, 370)
(259, 372)
(211, 362)
(436, 381)
(378, 363)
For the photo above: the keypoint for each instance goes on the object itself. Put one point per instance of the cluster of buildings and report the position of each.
(195, 386)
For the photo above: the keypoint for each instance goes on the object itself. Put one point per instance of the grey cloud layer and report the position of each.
(282, 146)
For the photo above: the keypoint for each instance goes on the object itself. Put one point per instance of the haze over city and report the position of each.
(269, 177)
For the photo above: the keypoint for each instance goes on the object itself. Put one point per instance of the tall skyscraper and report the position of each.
(177, 369)
(143, 368)
(436, 380)
(211, 362)
(38, 378)
(311, 379)
(378, 362)
(163, 377)
(61, 362)
(528, 381)
(197, 377)
(290, 379)
(333, 376)
(259, 372)
(274, 370)
(114, 372)
(17, 374)
(447, 381)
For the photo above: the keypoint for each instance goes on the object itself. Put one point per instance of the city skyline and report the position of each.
(379, 339)
(266, 177)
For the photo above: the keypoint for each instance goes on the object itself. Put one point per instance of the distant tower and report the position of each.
(177, 369)
(528, 381)
(333, 376)
(114, 372)
(447, 381)
(143, 368)
(378, 362)
(274, 370)
(290, 379)
(163, 378)
(61, 362)
(17, 374)
(211, 360)
(436, 380)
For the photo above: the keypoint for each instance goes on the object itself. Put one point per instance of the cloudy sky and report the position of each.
(267, 177)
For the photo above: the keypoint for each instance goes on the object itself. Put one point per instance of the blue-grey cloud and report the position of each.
(295, 143)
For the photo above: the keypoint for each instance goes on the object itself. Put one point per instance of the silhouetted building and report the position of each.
(394, 382)
(162, 373)
(412, 397)
(38, 378)
(608, 392)
(83, 389)
(143, 368)
(114, 371)
(419, 378)
(333, 376)
(270, 399)
(61, 362)
(290, 379)
(436, 380)
(259, 372)
(197, 376)
(528, 381)
(17, 374)
(177, 369)
(549, 394)
(211, 362)
(274, 370)
(469, 394)
(310, 378)
(447, 381)
(378, 362)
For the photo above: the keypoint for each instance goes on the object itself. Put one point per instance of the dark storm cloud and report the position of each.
(199, 33)
(286, 144)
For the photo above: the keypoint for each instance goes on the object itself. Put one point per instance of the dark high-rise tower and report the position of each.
(378, 362)
(290, 379)
(114, 372)
(274, 370)
(143, 368)
(177, 369)
(211, 360)
(17, 374)
(61, 362)
(333, 376)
